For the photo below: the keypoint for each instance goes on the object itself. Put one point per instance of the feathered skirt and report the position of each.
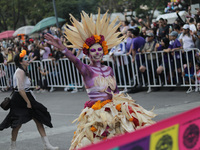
(104, 119)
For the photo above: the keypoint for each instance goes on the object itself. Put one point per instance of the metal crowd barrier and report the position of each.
(62, 73)
(170, 72)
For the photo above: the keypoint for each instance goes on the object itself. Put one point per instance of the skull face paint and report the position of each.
(96, 52)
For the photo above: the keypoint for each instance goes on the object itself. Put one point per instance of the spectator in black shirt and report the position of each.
(163, 30)
(57, 54)
(1, 57)
(197, 16)
(36, 53)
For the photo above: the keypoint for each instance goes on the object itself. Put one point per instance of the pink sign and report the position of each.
(189, 135)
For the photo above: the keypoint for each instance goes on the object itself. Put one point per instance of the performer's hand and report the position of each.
(54, 41)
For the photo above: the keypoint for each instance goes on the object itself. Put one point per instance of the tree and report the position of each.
(66, 7)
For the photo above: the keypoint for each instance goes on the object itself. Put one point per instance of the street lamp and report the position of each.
(55, 12)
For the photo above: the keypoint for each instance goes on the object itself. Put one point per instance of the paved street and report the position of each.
(65, 107)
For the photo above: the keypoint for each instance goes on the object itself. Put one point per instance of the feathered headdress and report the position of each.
(84, 34)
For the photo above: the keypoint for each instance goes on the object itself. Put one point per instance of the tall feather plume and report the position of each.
(85, 26)
(72, 28)
(79, 28)
(89, 23)
(80, 31)
(104, 30)
(103, 21)
(112, 31)
(74, 36)
(98, 25)
(110, 27)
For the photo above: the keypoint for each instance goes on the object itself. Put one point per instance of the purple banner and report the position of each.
(142, 144)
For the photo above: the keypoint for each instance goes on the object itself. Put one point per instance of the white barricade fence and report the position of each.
(62, 73)
(7, 71)
(178, 69)
(3, 77)
(34, 73)
(6, 75)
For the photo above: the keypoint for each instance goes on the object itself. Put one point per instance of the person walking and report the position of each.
(24, 107)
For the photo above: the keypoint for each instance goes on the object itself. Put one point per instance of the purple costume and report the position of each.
(108, 112)
(96, 124)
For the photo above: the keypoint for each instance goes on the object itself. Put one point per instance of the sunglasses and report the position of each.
(94, 50)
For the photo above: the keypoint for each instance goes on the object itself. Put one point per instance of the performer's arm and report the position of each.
(57, 43)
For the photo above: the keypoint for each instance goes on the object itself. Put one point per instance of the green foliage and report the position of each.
(17, 13)
(66, 7)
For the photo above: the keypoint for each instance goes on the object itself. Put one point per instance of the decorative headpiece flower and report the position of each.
(22, 54)
(84, 34)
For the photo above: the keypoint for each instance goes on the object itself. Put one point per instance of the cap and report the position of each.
(150, 34)
(186, 26)
(31, 40)
(173, 33)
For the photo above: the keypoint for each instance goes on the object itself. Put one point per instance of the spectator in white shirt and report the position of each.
(192, 25)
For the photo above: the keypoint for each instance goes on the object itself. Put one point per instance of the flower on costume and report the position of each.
(97, 38)
(22, 54)
(118, 107)
(98, 105)
(93, 129)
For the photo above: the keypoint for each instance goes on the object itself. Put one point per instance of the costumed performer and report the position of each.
(107, 113)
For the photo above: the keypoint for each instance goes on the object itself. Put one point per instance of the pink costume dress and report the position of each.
(108, 113)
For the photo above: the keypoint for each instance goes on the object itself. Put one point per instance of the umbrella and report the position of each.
(23, 30)
(34, 35)
(6, 34)
(47, 22)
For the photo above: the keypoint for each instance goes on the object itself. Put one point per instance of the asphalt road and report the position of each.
(65, 107)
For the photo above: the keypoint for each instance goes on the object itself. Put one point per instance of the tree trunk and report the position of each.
(4, 22)
(155, 6)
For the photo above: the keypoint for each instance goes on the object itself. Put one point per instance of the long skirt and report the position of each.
(105, 119)
(19, 113)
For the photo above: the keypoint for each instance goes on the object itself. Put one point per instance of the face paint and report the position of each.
(26, 58)
(96, 52)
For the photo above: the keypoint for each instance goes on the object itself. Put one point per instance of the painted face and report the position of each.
(25, 61)
(96, 52)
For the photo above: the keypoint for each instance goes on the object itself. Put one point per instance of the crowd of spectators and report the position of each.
(141, 37)
(173, 39)
(178, 5)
